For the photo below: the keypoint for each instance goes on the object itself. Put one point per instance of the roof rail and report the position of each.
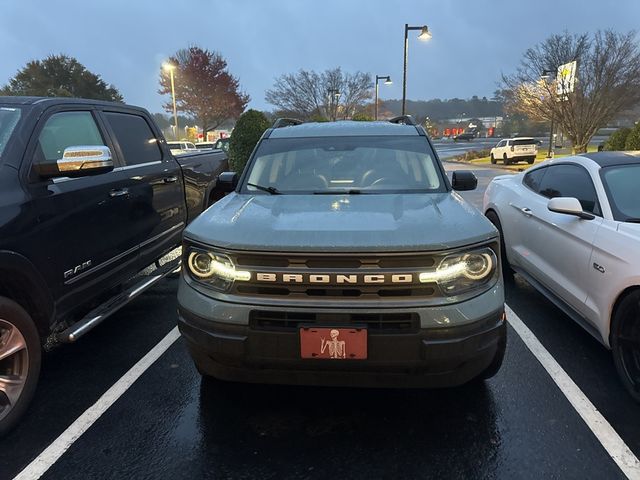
(286, 122)
(404, 120)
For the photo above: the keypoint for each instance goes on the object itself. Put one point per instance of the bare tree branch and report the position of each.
(607, 82)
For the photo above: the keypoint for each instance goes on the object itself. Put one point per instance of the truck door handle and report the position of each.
(119, 192)
(526, 211)
(170, 179)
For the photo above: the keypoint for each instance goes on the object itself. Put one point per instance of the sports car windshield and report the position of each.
(327, 165)
(621, 183)
(8, 120)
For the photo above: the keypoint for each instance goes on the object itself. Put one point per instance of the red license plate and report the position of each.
(333, 343)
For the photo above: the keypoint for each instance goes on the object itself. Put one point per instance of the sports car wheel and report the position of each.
(625, 342)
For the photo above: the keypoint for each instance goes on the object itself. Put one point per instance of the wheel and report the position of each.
(507, 271)
(20, 357)
(505, 159)
(493, 159)
(496, 363)
(531, 160)
(625, 342)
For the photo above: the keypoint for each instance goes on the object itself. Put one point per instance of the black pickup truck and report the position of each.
(92, 209)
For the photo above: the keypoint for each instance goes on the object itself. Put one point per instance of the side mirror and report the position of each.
(227, 181)
(462, 180)
(78, 161)
(569, 206)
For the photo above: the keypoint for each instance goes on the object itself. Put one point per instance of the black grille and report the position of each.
(305, 265)
(386, 323)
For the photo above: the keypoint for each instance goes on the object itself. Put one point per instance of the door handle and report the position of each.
(119, 192)
(170, 179)
(526, 211)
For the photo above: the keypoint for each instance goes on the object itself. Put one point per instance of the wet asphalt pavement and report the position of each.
(172, 424)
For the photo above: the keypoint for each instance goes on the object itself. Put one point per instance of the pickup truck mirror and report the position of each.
(462, 180)
(78, 161)
(227, 181)
(569, 206)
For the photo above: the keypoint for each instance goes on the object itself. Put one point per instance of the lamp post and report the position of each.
(387, 81)
(334, 99)
(170, 68)
(546, 75)
(425, 34)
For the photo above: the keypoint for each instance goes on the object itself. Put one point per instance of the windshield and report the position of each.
(365, 164)
(621, 183)
(8, 120)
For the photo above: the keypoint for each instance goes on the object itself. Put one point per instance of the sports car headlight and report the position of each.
(460, 273)
(215, 270)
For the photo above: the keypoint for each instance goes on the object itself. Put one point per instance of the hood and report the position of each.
(341, 223)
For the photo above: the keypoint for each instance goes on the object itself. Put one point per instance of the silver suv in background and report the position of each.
(514, 150)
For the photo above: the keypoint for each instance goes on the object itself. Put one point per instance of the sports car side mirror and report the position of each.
(462, 180)
(569, 206)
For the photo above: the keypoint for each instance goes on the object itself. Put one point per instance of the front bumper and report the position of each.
(224, 344)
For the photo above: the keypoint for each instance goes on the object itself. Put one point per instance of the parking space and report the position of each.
(171, 424)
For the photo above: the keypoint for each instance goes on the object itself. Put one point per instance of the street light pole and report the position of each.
(171, 68)
(425, 34)
(387, 81)
(334, 99)
(546, 74)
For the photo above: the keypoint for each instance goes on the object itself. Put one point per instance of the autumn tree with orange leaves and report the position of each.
(205, 90)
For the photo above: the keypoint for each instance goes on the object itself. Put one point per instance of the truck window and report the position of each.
(8, 120)
(137, 142)
(66, 129)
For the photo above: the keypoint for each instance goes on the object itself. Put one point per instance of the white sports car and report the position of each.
(571, 227)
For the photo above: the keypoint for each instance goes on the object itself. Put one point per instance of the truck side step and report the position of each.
(98, 314)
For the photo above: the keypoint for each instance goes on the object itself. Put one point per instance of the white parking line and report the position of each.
(53, 452)
(604, 432)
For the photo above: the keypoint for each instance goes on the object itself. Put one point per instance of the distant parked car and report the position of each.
(181, 147)
(223, 144)
(571, 227)
(205, 145)
(514, 150)
(468, 136)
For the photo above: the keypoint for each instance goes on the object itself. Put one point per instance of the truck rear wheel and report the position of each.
(20, 358)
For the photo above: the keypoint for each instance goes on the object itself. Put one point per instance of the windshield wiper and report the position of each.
(353, 191)
(271, 190)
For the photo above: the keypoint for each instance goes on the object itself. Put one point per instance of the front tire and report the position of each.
(498, 358)
(625, 342)
(20, 359)
(507, 271)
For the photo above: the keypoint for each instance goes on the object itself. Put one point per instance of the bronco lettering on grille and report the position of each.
(323, 278)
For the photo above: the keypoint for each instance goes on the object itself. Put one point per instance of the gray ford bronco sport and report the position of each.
(342, 256)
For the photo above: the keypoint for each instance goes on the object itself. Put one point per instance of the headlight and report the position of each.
(213, 269)
(462, 272)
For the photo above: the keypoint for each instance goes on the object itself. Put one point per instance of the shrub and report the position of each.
(362, 117)
(617, 139)
(248, 130)
(633, 139)
(472, 155)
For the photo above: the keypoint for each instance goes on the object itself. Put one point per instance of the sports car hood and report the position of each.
(341, 223)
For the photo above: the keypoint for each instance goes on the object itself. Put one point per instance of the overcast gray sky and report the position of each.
(125, 41)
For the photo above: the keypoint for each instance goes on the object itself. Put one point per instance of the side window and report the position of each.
(570, 181)
(66, 129)
(533, 178)
(136, 139)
